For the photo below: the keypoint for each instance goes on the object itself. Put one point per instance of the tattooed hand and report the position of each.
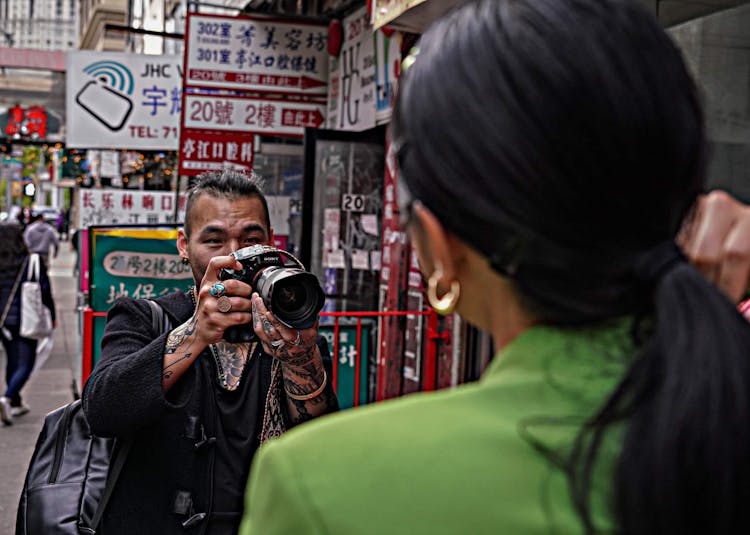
(290, 346)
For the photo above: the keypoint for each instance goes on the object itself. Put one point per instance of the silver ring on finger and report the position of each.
(224, 304)
(276, 344)
(218, 290)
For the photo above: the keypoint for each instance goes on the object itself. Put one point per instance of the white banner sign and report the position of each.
(112, 207)
(259, 116)
(256, 54)
(123, 101)
(354, 75)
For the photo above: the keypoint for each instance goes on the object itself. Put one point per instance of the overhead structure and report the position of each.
(416, 15)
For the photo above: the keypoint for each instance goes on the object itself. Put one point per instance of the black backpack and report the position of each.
(72, 473)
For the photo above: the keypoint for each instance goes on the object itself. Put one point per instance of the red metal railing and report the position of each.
(430, 363)
(430, 358)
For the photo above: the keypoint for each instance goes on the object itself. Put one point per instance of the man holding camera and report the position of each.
(197, 405)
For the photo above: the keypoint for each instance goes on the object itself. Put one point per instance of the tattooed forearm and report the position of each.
(304, 376)
(178, 335)
(180, 351)
(167, 372)
(303, 411)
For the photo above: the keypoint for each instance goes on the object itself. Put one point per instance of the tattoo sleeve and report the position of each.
(302, 375)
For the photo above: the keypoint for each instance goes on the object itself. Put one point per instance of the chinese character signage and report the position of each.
(252, 115)
(123, 101)
(112, 207)
(256, 54)
(141, 262)
(351, 105)
(202, 150)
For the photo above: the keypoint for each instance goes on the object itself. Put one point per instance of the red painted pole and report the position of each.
(358, 362)
(87, 346)
(336, 353)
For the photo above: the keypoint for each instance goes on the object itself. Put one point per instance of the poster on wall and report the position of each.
(116, 100)
(354, 75)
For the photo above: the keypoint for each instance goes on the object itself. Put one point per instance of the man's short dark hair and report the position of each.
(227, 184)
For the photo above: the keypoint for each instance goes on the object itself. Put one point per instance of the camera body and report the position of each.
(291, 293)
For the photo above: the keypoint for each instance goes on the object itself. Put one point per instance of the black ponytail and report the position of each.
(566, 145)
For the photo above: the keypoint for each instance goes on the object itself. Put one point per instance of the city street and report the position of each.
(49, 388)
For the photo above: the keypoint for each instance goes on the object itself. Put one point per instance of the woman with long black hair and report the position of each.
(20, 352)
(548, 151)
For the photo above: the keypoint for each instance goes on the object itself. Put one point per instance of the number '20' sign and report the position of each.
(351, 202)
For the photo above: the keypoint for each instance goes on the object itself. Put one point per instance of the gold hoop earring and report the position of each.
(448, 302)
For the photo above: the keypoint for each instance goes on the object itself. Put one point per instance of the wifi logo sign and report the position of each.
(114, 74)
(106, 95)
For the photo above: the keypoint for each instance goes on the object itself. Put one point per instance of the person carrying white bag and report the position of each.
(28, 315)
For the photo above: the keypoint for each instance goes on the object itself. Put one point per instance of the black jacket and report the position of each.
(167, 479)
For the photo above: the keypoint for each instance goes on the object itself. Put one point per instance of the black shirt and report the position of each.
(238, 432)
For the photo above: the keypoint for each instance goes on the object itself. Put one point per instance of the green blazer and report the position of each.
(476, 459)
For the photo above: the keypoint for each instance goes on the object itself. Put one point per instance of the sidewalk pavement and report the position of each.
(49, 387)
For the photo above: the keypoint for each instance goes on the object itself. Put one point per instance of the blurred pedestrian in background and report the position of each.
(543, 185)
(20, 352)
(40, 237)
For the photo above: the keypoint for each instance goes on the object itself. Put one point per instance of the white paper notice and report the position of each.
(360, 259)
(336, 259)
(370, 223)
(375, 260)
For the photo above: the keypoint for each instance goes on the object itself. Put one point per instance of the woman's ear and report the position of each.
(436, 247)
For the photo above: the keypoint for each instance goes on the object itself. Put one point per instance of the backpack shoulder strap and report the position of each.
(159, 319)
(161, 323)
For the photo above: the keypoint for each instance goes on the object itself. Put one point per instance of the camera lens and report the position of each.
(295, 295)
(290, 297)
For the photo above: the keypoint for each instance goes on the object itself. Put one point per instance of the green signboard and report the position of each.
(132, 261)
(346, 359)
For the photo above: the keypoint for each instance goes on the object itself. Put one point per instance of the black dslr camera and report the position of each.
(292, 294)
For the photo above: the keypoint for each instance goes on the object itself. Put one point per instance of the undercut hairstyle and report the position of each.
(12, 249)
(227, 184)
(567, 148)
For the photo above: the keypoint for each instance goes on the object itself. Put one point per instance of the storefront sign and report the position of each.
(251, 115)
(123, 101)
(112, 207)
(211, 150)
(256, 54)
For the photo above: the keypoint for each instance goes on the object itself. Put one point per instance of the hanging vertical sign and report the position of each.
(387, 72)
(355, 94)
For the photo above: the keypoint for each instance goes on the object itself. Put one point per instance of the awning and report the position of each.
(416, 15)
